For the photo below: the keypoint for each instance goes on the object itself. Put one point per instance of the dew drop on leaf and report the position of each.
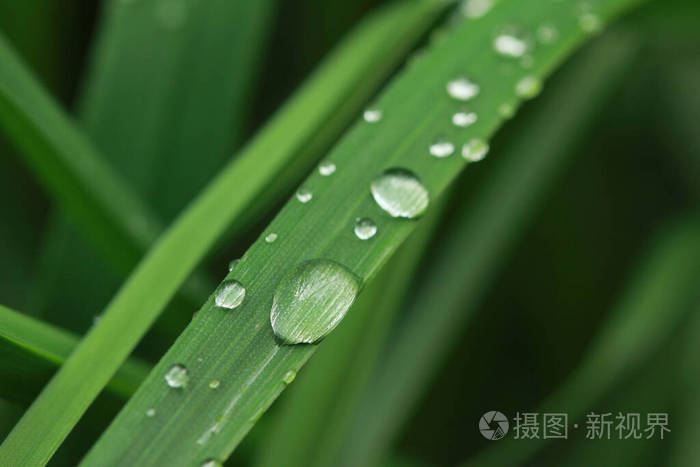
(326, 169)
(151, 412)
(232, 265)
(464, 119)
(271, 237)
(462, 89)
(365, 228)
(372, 115)
(177, 376)
(212, 463)
(442, 148)
(547, 33)
(304, 195)
(399, 193)
(528, 87)
(213, 384)
(289, 377)
(510, 45)
(475, 150)
(311, 300)
(476, 8)
(229, 294)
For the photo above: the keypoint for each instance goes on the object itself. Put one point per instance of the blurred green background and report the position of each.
(634, 170)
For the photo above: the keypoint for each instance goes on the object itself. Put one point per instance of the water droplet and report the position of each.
(232, 265)
(464, 119)
(271, 237)
(400, 193)
(326, 169)
(547, 33)
(289, 377)
(304, 195)
(229, 294)
(510, 45)
(311, 300)
(506, 110)
(589, 22)
(365, 228)
(462, 89)
(528, 87)
(476, 8)
(372, 115)
(475, 150)
(177, 376)
(151, 412)
(212, 463)
(213, 384)
(442, 148)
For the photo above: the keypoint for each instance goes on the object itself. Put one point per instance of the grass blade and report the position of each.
(238, 348)
(31, 351)
(69, 167)
(484, 235)
(147, 291)
(668, 280)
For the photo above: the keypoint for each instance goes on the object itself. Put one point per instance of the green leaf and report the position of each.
(31, 351)
(237, 347)
(376, 43)
(489, 225)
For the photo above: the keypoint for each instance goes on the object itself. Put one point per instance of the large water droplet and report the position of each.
(304, 195)
(442, 148)
(400, 193)
(372, 115)
(326, 169)
(177, 376)
(510, 45)
(271, 237)
(476, 8)
(229, 294)
(528, 87)
(464, 119)
(365, 229)
(462, 89)
(475, 150)
(311, 300)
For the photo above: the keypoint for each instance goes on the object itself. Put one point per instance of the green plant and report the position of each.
(340, 236)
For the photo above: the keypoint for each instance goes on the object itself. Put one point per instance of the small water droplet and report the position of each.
(271, 237)
(506, 110)
(213, 384)
(464, 119)
(462, 89)
(365, 228)
(289, 377)
(311, 300)
(229, 294)
(304, 195)
(475, 8)
(510, 45)
(326, 169)
(400, 193)
(547, 33)
(151, 412)
(212, 463)
(232, 265)
(442, 148)
(528, 87)
(372, 115)
(475, 150)
(177, 376)
(590, 22)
